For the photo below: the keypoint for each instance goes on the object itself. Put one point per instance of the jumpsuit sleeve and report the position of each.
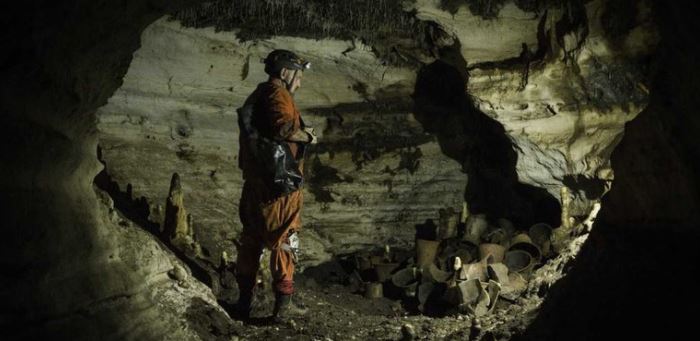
(283, 115)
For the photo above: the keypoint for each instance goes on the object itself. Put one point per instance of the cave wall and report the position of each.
(565, 101)
(69, 271)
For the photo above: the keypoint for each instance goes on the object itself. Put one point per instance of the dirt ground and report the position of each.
(337, 310)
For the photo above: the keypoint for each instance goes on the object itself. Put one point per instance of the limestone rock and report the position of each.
(565, 116)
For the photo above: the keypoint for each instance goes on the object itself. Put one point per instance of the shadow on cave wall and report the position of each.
(480, 145)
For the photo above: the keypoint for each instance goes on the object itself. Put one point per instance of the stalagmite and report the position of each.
(178, 226)
(567, 221)
(175, 226)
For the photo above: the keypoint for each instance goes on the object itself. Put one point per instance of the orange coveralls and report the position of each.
(268, 218)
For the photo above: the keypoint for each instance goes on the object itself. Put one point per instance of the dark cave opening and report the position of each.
(481, 146)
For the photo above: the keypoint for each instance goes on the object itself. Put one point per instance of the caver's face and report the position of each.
(293, 79)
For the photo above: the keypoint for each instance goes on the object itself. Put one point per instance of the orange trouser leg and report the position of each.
(282, 216)
(267, 222)
(282, 267)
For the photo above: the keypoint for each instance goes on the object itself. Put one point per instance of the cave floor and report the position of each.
(340, 312)
(335, 313)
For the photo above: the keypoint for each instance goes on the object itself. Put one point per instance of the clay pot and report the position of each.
(496, 235)
(521, 238)
(434, 274)
(492, 253)
(476, 225)
(475, 271)
(426, 250)
(541, 235)
(384, 270)
(452, 248)
(507, 226)
(523, 242)
(519, 261)
(464, 256)
(405, 277)
(448, 221)
(373, 290)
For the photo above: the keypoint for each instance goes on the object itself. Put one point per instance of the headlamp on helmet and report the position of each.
(279, 59)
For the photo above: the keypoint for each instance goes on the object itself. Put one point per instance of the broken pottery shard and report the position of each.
(493, 289)
(482, 307)
(473, 298)
(498, 272)
(469, 291)
(424, 291)
(462, 275)
(491, 253)
(476, 271)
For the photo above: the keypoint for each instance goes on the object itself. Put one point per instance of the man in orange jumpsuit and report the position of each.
(271, 217)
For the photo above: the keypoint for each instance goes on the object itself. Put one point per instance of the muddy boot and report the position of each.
(284, 309)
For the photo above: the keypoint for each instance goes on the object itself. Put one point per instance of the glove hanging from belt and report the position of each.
(291, 245)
